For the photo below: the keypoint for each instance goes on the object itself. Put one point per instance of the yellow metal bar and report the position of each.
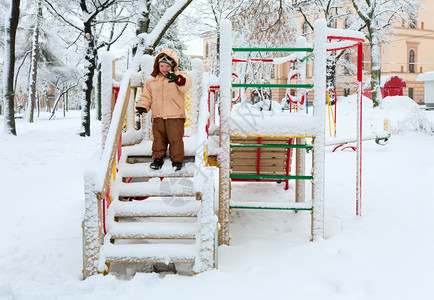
(330, 113)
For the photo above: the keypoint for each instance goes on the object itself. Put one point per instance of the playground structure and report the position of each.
(141, 216)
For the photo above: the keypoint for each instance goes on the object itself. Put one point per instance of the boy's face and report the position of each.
(164, 68)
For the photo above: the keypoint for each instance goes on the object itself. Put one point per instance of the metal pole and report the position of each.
(359, 131)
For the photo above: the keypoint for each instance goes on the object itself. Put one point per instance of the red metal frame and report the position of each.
(288, 163)
(359, 131)
(258, 166)
(258, 157)
(359, 43)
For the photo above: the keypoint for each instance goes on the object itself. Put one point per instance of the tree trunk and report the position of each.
(375, 71)
(61, 96)
(34, 66)
(98, 94)
(8, 75)
(143, 20)
(331, 72)
(88, 76)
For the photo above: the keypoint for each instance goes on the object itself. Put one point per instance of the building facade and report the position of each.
(407, 54)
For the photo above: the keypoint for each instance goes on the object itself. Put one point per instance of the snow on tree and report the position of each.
(378, 17)
(89, 13)
(254, 22)
(154, 29)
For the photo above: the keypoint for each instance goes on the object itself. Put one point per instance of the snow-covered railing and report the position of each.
(206, 238)
(204, 186)
(224, 142)
(111, 145)
(97, 180)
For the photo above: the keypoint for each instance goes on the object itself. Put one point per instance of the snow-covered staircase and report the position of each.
(154, 216)
(137, 215)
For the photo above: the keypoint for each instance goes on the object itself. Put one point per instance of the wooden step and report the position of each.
(249, 153)
(254, 161)
(177, 207)
(178, 187)
(153, 230)
(137, 158)
(264, 168)
(150, 253)
(144, 170)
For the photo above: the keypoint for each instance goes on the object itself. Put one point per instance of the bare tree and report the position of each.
(89, 12)
(378, 16)
(11, 25)
(62, 90)
(34, 66)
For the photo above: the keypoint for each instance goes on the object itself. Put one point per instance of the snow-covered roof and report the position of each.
(427, 76)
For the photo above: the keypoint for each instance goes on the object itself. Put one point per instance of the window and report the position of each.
(347, 23)
(346, 92)
(410, 93)
(206, 50)
(411, 61)
(333, 23)
(363, 61)
(272, 72)
(413, 22)
(304, 28)
(347, 63)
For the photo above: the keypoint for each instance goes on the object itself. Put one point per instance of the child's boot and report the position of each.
(157, 163)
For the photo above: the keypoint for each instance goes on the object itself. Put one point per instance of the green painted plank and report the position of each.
(306, 57)
(276, 177)
(269, 208)
(286, 146)
(272, 85)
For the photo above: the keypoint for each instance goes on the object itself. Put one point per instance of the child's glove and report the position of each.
(141, 110)
(172, 77)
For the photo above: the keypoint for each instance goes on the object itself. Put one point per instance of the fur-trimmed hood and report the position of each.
(170, 53)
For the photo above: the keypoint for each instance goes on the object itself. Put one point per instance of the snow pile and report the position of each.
(258, 119)
(260, 106)
(400, 112)
(405, 115)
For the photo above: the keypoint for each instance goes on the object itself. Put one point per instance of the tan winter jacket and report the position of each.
(166, 100)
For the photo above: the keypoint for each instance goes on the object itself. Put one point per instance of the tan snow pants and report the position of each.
(168, 132)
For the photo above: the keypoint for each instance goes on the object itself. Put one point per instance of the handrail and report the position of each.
(96, 186)
(112, 142)
(202, 139)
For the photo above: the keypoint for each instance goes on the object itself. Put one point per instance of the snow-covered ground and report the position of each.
(385, 254)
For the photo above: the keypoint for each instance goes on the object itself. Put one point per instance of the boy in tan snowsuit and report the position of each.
(163, 93)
